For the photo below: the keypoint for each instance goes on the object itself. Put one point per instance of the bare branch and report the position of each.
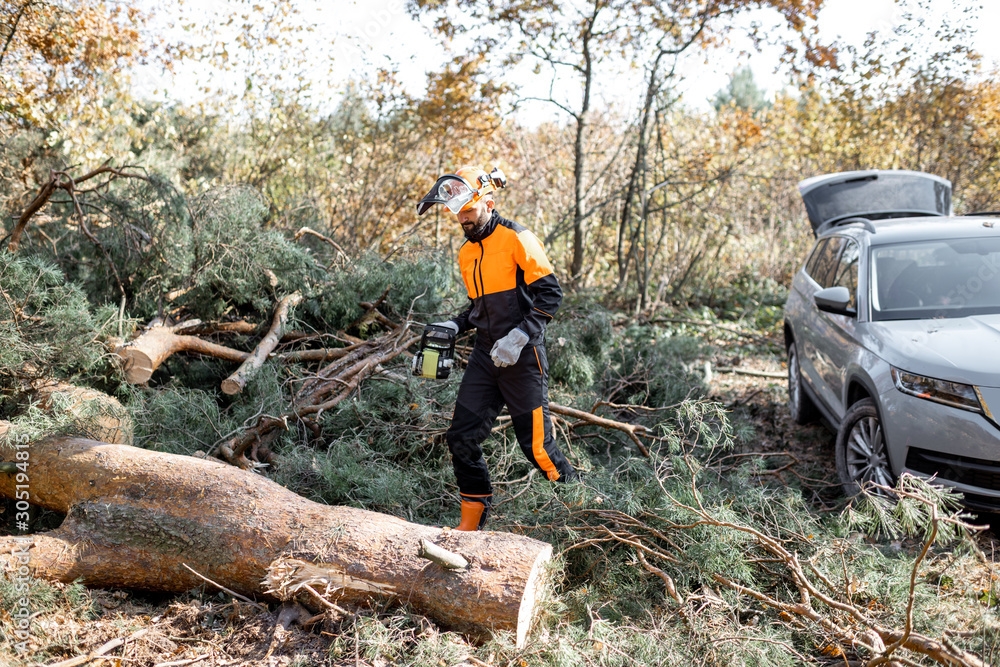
(235, 382)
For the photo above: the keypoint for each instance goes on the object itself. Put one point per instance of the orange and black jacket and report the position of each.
(510, 283)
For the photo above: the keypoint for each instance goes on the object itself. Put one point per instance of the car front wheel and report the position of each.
(861, 452)
(801, 407)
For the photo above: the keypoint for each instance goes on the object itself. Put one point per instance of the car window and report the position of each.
(947, 278)
(846, 274)
(810, 266)
(826, 260)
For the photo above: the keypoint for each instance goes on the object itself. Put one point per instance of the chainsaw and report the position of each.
(436, 355)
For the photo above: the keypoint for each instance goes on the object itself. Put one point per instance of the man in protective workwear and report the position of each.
(513, 296)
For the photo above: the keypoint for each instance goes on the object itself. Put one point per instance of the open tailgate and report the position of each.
(873, 194)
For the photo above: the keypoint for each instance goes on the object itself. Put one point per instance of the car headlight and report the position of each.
(955, 394)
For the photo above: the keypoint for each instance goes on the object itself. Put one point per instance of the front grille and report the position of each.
(959, 469)
(975, 501)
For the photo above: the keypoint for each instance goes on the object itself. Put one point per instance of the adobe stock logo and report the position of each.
(983, 277)
(21, 614)
(368, 29)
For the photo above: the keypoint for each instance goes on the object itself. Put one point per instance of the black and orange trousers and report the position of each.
(485, 389)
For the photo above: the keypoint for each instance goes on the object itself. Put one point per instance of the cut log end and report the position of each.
(532, 596)
(232, 385)
(138, 365)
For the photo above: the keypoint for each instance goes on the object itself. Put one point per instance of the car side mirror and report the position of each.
(836, 300)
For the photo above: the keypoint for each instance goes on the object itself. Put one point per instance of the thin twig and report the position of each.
(223, 588)
(326, 603)
(325, 239)
(632, 430)
(98, 652)
(181, 663)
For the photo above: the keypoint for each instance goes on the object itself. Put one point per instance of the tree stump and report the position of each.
(136, 518)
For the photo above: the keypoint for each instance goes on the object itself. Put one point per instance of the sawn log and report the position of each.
(142, 356)
(137, 517)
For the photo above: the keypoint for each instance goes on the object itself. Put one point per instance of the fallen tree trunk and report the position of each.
(96, 415)
(138, 519)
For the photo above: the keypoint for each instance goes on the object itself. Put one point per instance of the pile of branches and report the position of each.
(189, 267)
(344, 370)
(802, 581)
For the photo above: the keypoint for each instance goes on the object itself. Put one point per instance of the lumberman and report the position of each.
(513, 295)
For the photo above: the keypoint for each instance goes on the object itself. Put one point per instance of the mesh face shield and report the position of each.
(451, 190)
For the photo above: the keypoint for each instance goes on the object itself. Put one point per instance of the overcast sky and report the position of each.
(360, 35)
(379, 31)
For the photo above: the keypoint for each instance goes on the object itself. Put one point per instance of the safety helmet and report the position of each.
(463, 188)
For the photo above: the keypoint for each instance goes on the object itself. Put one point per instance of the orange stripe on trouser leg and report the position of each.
(538, 444)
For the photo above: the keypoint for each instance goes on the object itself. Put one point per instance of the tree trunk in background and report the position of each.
(137, 517)
(627, 239)
(586, 70)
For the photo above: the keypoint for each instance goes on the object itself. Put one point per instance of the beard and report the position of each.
(475, 231)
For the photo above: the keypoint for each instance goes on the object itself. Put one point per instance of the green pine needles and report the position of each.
(48, 326)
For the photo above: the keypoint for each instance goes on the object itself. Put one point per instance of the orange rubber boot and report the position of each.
(472, 515)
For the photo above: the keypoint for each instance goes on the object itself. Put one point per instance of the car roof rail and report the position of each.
(990, 213)
(864, 222)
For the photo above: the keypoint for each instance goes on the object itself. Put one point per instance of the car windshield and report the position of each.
(949, 278)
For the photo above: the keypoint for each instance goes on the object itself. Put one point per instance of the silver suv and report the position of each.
(892, 329)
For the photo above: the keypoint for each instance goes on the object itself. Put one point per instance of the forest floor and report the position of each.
(210, 628)
(802, 453)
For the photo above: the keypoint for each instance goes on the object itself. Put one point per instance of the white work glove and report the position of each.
(506, 350)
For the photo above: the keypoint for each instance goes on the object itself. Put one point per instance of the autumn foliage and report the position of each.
(56, 57)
